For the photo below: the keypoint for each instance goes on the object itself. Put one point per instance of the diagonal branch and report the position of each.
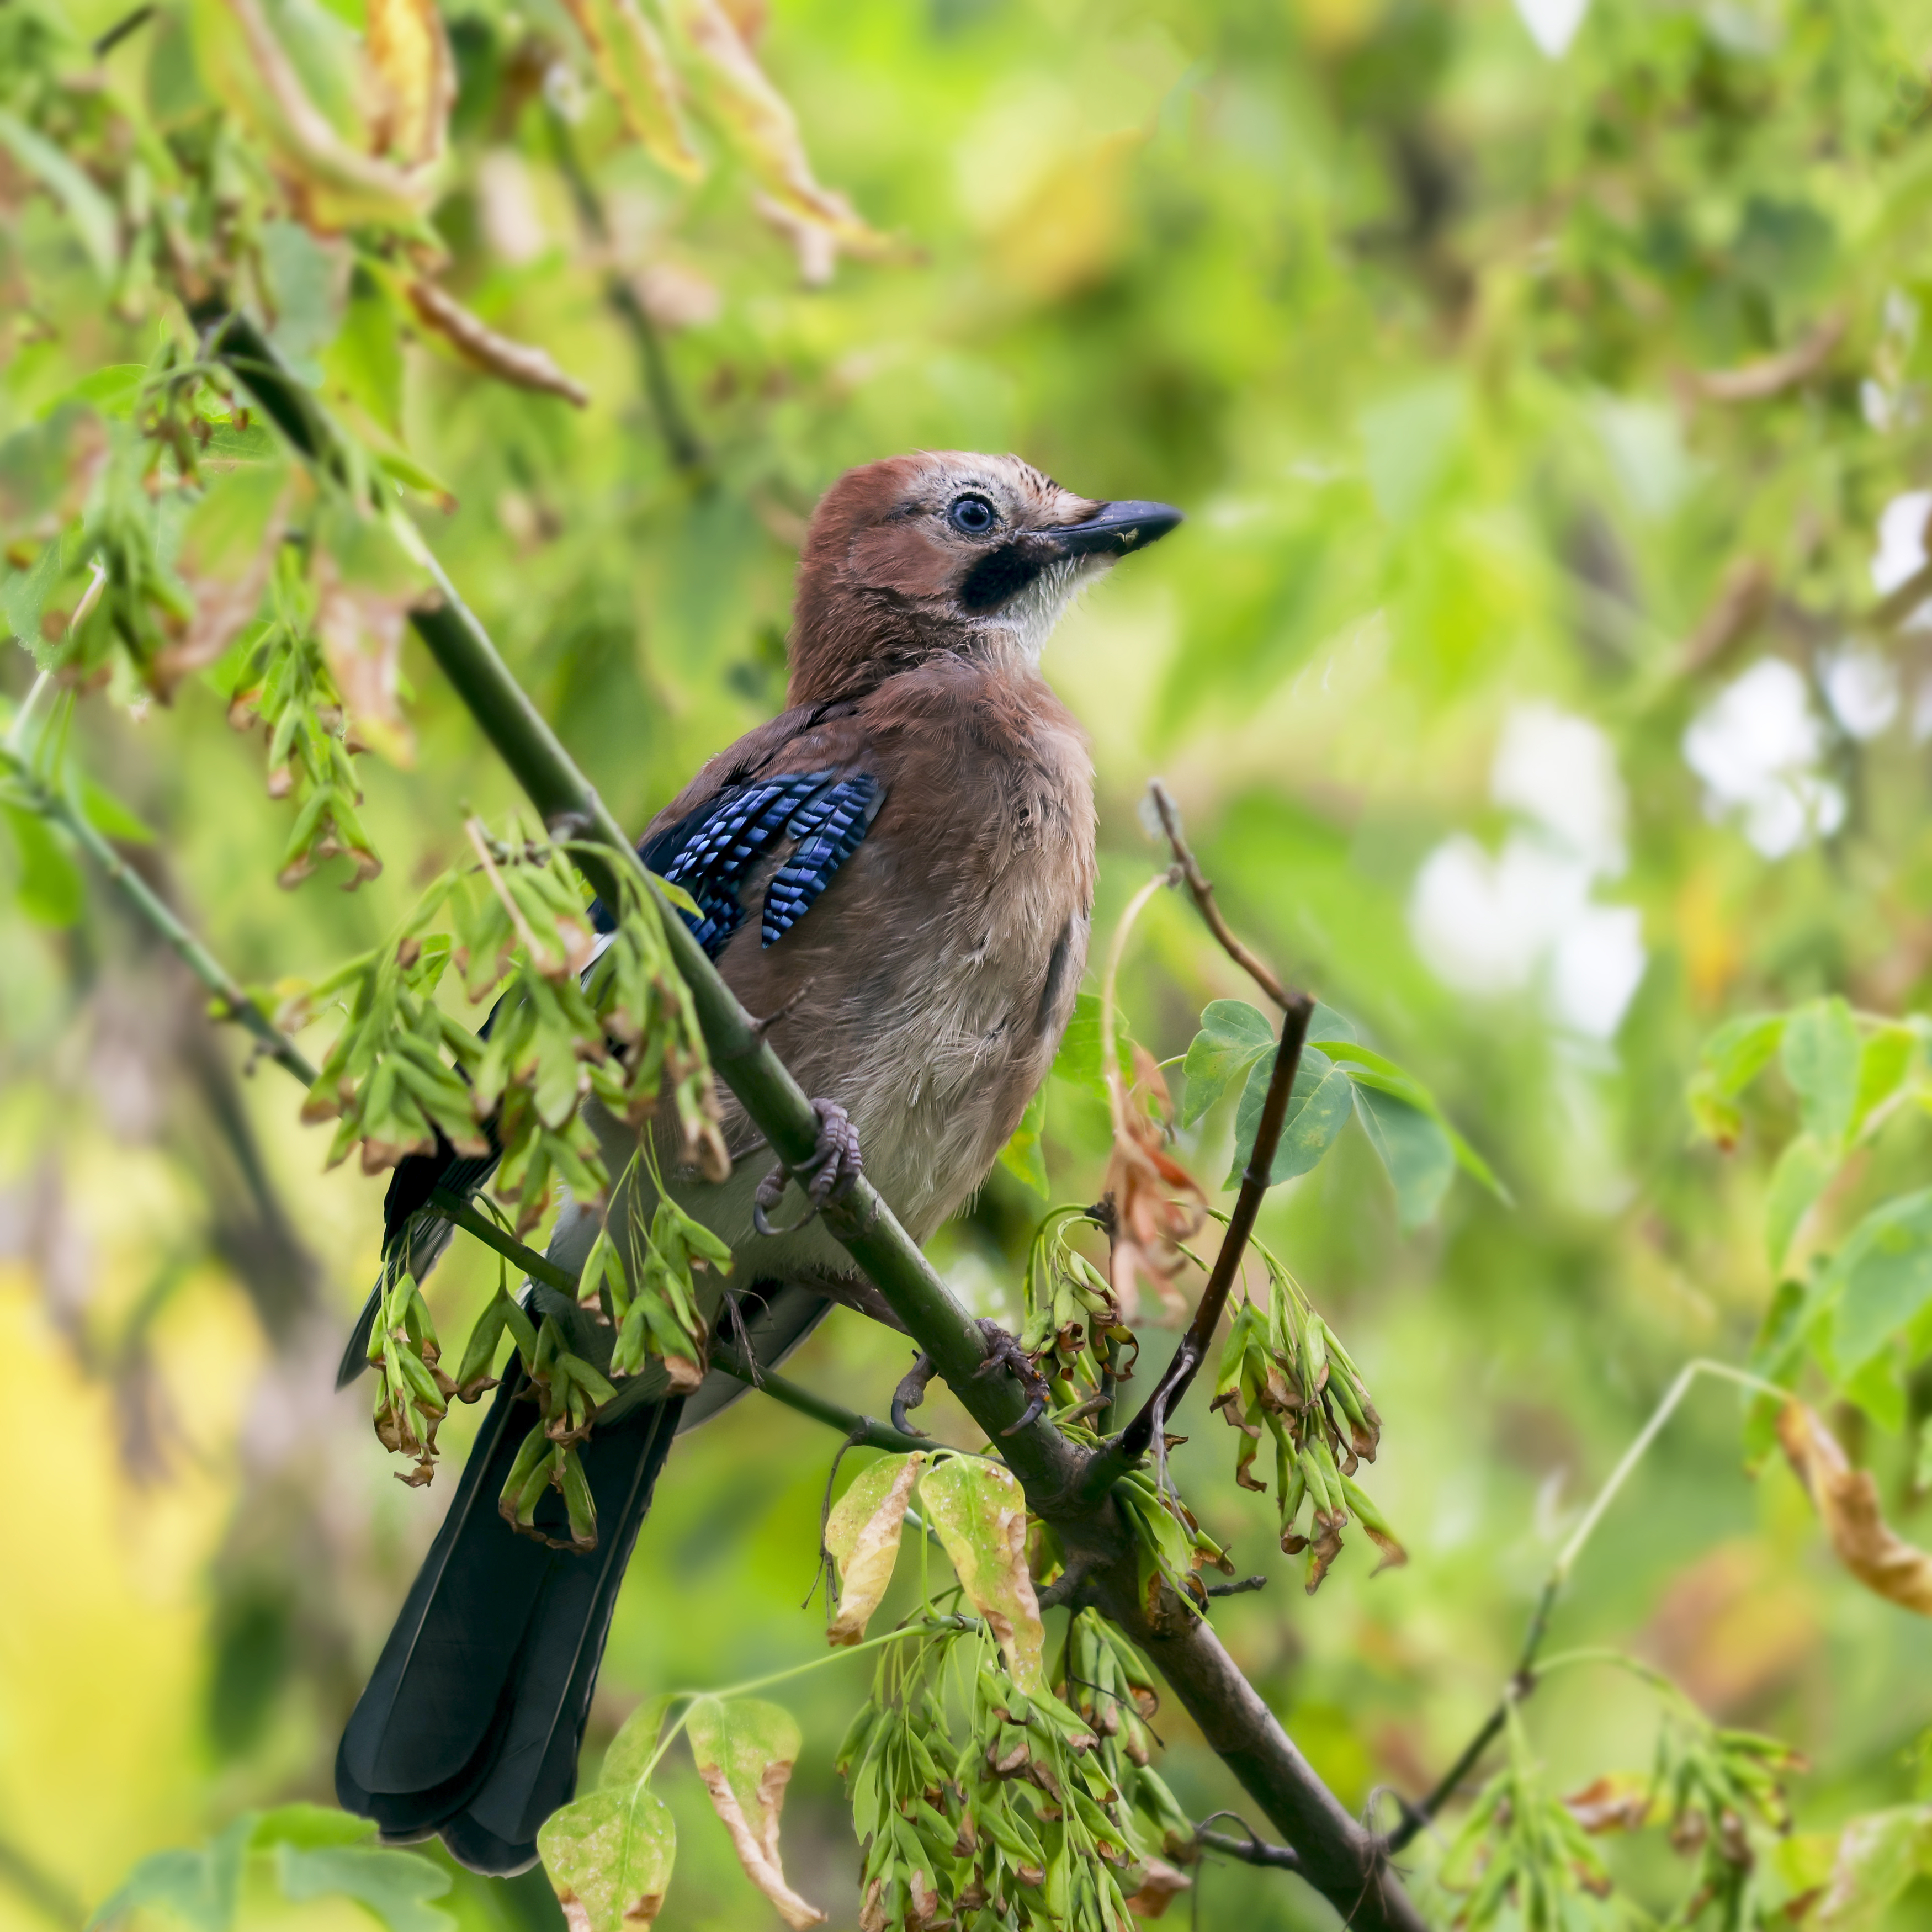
(1341, 1860)
(51, 804)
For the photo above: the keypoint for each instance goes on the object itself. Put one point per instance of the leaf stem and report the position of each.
(1528, 1671)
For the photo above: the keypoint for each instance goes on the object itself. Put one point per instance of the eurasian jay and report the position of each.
(899, 870)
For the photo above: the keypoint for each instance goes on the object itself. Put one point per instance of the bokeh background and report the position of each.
(1515, 670)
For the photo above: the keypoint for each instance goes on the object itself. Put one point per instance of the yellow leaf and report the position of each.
(757, 120)
(631, 61)
(744, 1750)
(862, 1534)
(410, 54)
(331, 180)
(979, 1513)
(1847, 1503)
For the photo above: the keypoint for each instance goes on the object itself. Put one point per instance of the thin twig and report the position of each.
(1252, 1850)
(48, 803)
(1133, 1441)
(1526, 1677)
(1202, 888)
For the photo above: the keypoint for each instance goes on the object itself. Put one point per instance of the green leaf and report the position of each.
(636, 1743)
(1800, 1177)
(200, 1887)
(1820, 1058)
(1883, 1064)
(110, 817)
(90, 211)
(1733, 1057)
(1880, 1280)
(1367, 1068)
(112, 390)
(365, 359)
(977, 1510)
(1409, 442)
(309, 1826)
(50, 887)
(393, 1885)
(1023, 1156)
(610, 1856)
(1233, 1036)
(1079, 1061)
(1318, 1106)
(1413, 1149)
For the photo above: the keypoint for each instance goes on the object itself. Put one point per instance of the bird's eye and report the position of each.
(972, 515)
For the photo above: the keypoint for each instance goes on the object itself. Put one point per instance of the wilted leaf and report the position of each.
(1620, 1801)
(365, 588)
(978, 1511)
(1233, 1036)
(227, 554)
(410, 54)
(1847, 1503)
(1160, 1884)
(744, 1750)
(631, 62)
(862, 1534)
(477, 343)
(609, 1858)
(1413, 1149)
(325, 160)
(1878, 1856)
(47, 471)
(761, 127)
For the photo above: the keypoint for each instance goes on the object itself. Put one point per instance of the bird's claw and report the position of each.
(910, 1392)
(829, 1175)
(1005, 1353)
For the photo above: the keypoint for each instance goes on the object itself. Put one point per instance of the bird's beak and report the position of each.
(1117, 529)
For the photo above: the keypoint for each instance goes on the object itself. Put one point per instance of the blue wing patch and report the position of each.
(712, 853)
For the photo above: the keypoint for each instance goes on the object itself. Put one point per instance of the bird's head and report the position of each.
(946, 551)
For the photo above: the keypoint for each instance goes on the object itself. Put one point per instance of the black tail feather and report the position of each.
(471, 1725)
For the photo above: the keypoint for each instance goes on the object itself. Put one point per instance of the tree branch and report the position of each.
(1251, 1850)
(1341, 1860)
(53, 805)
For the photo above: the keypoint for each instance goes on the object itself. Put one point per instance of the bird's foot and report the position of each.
(1006, 1353)
(829, 1175)
(910, 1392)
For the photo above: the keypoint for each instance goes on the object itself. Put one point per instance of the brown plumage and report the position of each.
(922, 985)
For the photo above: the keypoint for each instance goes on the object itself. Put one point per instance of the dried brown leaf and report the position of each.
(518, 363)
(629, 53)
(744, 1750)
(1162, 1883)
(361, 626)
(759, 123)
(1846, 1500)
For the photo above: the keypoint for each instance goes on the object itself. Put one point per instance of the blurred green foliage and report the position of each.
(1533, 672)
